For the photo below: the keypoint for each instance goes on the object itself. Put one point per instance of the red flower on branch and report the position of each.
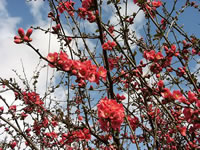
(110, 113)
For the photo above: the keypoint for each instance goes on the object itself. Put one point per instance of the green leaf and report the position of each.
(158, 35)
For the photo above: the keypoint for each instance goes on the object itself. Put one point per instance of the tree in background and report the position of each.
(126, 92)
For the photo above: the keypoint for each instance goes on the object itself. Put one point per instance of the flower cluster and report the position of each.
(149, 6)
(22, 36)
(75, 136)
(83, 70)
(160, 62)
(153, 56)
(33, 102)
(86, 11)
(110, 113)
(67, 6)
(134, 122)
(109, 45)
(32, 98)
(56, 28)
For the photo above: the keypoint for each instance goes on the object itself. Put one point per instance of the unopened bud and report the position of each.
(21, 32)
(29, 32)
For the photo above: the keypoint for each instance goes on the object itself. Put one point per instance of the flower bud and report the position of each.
(18, 41)
(21, 32)
(17, 37)
(29, 32)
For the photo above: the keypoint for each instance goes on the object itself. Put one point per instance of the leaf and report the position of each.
(158, 35)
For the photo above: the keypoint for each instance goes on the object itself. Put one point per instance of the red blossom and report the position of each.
(166, 93)
(177, 94)
(110, 110)
(13, 144)
(67, 6)
(13, 108)
(182, 130)
(134, 122)
(192, 97)
(160, 84)
(102, 72)
(1, 109)
(156, 3)
(109, 45)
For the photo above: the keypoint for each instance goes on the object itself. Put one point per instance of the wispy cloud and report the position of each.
(36, 8)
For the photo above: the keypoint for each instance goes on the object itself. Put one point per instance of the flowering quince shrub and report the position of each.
(126, 91)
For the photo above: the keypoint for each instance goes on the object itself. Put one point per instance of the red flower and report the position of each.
(192, 97)
(110, 113)
(1, 109)
(23, 115)
(149, 55)
(134, 122)
(188, 114)
(52, 57)
(160, 83)
(87, 4)
(109, 45)
(156, 3)
(105, 46)
(13, 144)
(182, 130)
(177, 94)
(159, 56)
(13, 107)
(166, 93)
(121, 98)
(102, 72)
(93, 77)
(66, 6)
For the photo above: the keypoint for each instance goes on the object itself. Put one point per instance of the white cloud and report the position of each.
(12, 54)
(132, 8)
(35, 9)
